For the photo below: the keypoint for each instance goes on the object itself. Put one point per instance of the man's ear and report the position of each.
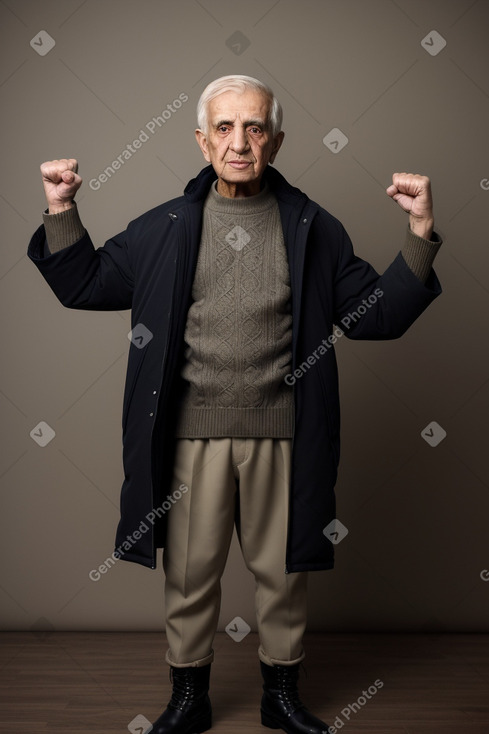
(202, 143)
(277, 142)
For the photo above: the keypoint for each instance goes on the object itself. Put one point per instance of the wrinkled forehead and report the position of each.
(250, 105)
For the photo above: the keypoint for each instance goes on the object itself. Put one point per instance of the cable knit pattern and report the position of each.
(239, 327)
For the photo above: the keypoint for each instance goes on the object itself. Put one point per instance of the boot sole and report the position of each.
(202, 725)
(196, 727)
(271, 723)
(266, 720)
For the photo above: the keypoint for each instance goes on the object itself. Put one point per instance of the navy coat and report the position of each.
(149, 268)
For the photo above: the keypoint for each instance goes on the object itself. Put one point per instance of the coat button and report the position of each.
(172, 215)
(304, 221)
(154, 392)
(151, 415)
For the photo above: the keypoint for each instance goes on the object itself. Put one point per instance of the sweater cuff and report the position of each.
(420, 253)
(63, 229)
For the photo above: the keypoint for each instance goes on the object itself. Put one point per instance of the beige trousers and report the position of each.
(242, 481)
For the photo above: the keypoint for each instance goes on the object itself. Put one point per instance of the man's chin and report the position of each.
(248, 173)
(236, 175)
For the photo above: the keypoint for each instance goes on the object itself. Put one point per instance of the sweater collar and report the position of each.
(256, 204)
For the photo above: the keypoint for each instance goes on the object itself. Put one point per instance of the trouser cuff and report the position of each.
(273, 661)
(193, 663)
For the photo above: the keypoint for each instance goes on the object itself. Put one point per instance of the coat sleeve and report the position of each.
(84, 277)
(372, 306)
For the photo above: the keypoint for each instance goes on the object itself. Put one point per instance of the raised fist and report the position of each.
(61, 182)
(413, 194)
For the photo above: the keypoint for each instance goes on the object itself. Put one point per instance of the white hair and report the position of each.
(238, 83)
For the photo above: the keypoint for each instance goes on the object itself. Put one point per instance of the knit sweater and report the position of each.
(238, 336)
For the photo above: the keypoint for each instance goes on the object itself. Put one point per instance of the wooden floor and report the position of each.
(100, 682)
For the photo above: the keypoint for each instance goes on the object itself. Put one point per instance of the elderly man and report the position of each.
(238, 291)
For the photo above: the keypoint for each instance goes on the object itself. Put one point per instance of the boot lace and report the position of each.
(287, 688)
(183, 693)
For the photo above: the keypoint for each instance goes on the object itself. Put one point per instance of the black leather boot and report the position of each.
(189, 709)
(281, 707)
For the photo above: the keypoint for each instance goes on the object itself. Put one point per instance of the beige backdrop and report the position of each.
(416, 556)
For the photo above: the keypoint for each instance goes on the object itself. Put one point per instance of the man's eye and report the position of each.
(255, 130)
(223, 129)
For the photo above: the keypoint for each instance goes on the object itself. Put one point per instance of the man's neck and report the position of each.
(238, 190)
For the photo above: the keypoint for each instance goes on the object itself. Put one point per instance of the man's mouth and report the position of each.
(239, 165)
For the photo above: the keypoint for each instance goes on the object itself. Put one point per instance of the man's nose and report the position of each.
(239, 141)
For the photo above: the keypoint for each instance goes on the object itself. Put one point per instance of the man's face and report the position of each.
(239, 141)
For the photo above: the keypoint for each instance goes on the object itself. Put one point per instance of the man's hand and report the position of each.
(61, 182)
(413, 194)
